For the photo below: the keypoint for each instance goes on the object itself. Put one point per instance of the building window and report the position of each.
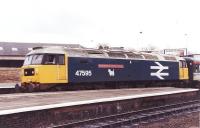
(30, 49)
(14, 49)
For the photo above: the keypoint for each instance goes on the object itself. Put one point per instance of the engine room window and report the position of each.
(116, 55)
(133, 55)
(169, 58)
(94, 52)
(150, 57)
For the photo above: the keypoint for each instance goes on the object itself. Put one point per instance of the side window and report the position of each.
(50, 59)
(61, 59)
(196, 68)
(182, 64)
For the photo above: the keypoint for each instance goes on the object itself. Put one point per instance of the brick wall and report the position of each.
(9, 75)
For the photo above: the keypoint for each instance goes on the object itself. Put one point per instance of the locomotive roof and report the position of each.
(104, 53)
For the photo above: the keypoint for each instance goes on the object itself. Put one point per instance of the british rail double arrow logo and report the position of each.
(159, 72)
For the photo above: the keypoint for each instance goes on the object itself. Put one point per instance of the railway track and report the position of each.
(130, 119)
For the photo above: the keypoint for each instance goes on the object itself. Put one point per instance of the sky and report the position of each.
(128, 23)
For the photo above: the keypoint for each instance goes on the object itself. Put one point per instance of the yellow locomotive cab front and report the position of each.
(42, 71)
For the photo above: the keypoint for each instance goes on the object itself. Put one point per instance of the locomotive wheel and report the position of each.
(17, 88)
(30, 88)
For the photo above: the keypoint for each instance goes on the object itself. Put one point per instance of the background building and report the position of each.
(12, 54)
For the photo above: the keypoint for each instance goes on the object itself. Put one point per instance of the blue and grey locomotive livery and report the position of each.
(47, 67)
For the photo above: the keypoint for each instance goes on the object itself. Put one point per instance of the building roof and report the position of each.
(21, 49)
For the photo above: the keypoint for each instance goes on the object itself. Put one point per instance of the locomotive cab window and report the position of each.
(196, 69)
(34, 59)
(53, 59)
(61, 59)
(47, 59)
(50, 59)
(182, 64)
(37, 59)
(28, 60)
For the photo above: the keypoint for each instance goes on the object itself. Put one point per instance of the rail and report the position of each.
(134, 117)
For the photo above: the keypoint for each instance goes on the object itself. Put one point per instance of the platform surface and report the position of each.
(7, 85)
(22, 102)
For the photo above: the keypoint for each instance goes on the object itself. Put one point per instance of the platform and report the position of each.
(15, 103)
(73, 104)
(7, 85)
(6, 88)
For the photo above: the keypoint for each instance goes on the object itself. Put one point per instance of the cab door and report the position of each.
(183, 70)
(61, 67)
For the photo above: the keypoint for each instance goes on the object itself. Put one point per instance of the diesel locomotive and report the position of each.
(50, 67)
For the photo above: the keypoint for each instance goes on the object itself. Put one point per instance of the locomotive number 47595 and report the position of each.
(83, 73)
